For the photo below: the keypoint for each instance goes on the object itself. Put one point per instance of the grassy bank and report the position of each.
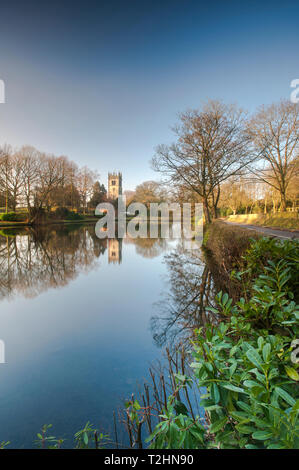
(48, 222)
(22, 220)
(225, 246)
(53, 221)
(283, 220)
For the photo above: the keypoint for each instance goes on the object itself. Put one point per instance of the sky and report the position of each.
(103, 81)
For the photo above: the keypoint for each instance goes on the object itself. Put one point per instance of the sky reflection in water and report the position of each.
(75, 317)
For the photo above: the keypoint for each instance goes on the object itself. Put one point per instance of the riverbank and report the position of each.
(49, 221)
(243, 358)
(283, 220)
(224, 246)
(52, 221)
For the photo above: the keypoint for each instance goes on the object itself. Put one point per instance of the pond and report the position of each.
(80, 320)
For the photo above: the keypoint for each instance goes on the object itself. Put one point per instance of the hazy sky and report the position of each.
(103, 81)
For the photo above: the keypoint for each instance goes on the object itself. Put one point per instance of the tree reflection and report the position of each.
(183, 307)
(148, 247)
(34, 261)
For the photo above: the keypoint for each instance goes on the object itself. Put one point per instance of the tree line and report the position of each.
(220, 153)
(39, 181)
(221, 156)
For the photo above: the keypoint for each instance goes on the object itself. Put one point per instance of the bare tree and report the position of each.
(212, 145)
(275, 135)
(129, 194)
(41, 174)
(50, 177)
(293, 189)
(72, 176)
(233, 195)
(148, 192)
(5, 171)
(38, 180)
(30, 159)
(85, 181)
(15, 179)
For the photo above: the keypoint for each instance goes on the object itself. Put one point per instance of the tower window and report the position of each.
(113, 182)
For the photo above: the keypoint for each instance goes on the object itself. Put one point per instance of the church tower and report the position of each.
(114, 185)
(114, 250)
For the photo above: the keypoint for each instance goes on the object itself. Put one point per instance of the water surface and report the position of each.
(78, 316)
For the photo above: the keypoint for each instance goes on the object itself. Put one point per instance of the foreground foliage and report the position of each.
(245, 365)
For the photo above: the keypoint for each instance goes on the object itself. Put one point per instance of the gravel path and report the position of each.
(283, 234)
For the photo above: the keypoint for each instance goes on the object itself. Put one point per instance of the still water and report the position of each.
(78, 317)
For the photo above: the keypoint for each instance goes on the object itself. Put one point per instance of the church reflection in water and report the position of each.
(114, 250)
(32, 261)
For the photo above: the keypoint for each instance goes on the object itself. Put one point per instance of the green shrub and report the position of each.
(14, 217)
(272, 251)
(8, 233)
(74, 216)
(224, 246)
(8, 216)
(225, 211)
(64, 213)
(86, 438)
(61, 212)
(245, 366)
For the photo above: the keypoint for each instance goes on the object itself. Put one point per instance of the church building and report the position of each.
(114, 185)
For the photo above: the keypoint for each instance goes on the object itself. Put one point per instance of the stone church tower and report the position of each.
(114, 250)
(114, 185)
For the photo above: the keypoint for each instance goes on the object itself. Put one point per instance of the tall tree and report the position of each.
(5, 171)
(275, 135)
(98, 194)
(30, 175)
(293, 188)
(233, 195)
(212, 145)
(41, 174)
(149, 191)
(85, 182)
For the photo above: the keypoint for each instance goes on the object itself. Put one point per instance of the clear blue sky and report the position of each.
(102, 82)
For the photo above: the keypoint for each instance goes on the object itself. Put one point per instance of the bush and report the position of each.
(273, 252)
(246, 366)
(74, 216)
(225, 245)
(9, 216)
(64, 213)
(225, 211)
(61, 212)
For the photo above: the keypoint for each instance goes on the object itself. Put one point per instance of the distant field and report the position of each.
(288, 220)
